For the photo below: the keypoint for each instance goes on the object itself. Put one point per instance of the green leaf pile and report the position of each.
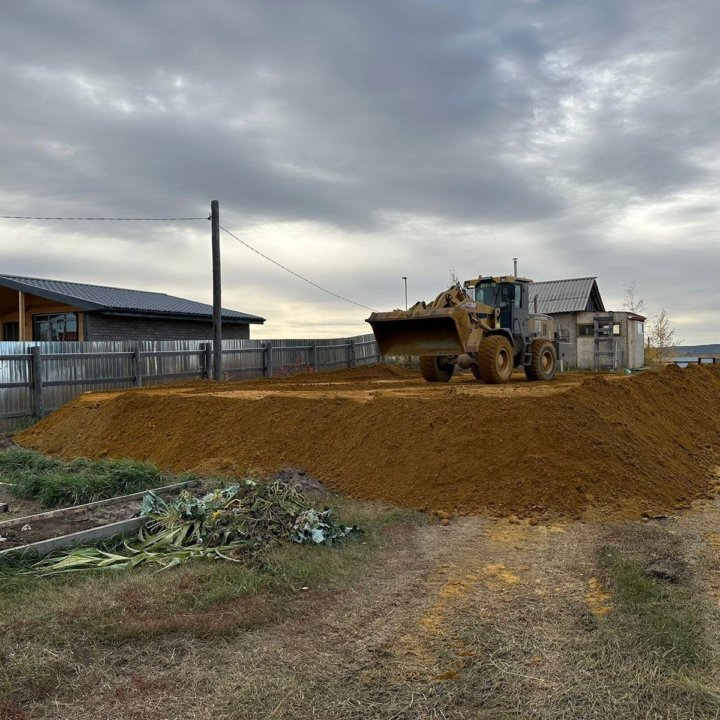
(233, 523)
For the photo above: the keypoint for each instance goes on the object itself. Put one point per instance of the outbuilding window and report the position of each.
(59, 326)
(589, 330)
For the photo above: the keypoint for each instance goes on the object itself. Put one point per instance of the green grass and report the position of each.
(661, 615)
(54, 483)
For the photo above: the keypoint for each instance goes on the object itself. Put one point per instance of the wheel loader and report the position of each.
(484, 325)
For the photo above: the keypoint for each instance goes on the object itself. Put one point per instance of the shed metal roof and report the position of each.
(100, 298)
(561, 296)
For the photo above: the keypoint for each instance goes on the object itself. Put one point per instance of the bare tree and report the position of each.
(662, 343)
(633, 302)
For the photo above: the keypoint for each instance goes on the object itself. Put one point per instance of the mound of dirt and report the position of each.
(643, 444)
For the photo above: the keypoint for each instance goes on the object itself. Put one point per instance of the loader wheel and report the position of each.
(436, 369)
(543, 364)
(476, 372)
(495, 359)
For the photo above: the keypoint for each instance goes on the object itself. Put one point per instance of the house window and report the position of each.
(640, 328)
(11, 331)
(59, 326)
(586, 330)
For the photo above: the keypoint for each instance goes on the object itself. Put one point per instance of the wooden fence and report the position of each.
(37, 378)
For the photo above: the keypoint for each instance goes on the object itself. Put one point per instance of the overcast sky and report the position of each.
(360, 141)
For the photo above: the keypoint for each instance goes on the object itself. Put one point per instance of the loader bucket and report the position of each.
(428, 332)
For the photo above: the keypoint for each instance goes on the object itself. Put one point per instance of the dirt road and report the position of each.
(479, 619)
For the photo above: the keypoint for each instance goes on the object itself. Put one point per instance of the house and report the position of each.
(39, 309)
(591, 337)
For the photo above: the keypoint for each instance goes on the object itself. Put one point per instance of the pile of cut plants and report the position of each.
(237, 523)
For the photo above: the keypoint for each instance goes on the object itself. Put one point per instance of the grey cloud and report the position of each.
(546, 121)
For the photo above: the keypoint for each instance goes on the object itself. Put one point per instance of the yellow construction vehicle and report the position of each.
(483, 325)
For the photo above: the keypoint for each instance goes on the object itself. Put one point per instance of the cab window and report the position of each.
(518, 295)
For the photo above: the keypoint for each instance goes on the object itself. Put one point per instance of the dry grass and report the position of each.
(480, 619)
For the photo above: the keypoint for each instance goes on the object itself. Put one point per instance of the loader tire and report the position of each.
(435, 369)
(543, 364)
(495, 359)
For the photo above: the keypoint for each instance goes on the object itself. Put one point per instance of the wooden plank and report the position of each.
(206, 359)
(44, 547)
(13, 415)
(91, 381)
(21, 316)
(237, 351)
(186, 373)
(37, 384)
(72, 509)
(87, 355)
(171, 353)
(137, 367)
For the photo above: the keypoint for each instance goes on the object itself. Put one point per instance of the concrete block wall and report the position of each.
(110, 327)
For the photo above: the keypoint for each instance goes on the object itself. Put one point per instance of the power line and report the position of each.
(292, 272)
(176, 219)
(157, 219)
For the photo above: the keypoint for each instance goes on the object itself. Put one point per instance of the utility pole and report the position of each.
(405, 279)
(217, 290)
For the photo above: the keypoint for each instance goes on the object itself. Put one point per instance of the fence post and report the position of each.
(137, 367)
(313, 350)
(206, 359)
(268, 364)
(36, 377)
(351, 354)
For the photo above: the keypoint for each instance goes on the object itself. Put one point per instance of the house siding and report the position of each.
(107, 327)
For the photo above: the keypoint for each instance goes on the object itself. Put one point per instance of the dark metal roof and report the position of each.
(100, 298)
(561, 296)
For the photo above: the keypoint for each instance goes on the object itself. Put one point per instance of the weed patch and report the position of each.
(663, 615)
(53, 483)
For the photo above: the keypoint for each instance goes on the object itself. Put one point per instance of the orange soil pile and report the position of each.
(646, 443)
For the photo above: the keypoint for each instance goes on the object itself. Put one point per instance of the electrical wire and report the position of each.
(292, 272)
(174, 219)
(159, 219)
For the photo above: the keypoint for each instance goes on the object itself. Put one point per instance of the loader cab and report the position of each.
(510, 294)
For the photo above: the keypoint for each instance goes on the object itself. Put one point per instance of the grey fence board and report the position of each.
(70, 368)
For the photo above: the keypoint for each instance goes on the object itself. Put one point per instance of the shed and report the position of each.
(591, 337)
